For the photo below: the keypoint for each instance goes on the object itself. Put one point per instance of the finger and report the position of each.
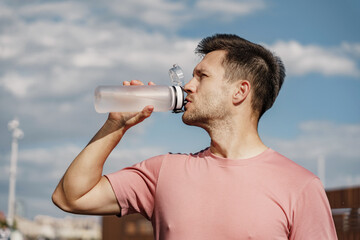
(151, 83)
(126, 83)
(136, 82)
(148, 110)
(145, 113)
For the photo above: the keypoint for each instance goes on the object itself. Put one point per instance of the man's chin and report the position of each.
(186, 119)
(190, 120)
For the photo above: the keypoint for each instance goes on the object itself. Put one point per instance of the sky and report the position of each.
(54, 53)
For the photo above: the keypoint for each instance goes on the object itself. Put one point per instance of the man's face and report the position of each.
(208, 92)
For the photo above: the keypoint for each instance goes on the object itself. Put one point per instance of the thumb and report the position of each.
(141, 116)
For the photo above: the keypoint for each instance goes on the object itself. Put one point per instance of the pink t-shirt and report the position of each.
(203, 196)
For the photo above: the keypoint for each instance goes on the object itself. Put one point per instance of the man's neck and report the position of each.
(236, 140)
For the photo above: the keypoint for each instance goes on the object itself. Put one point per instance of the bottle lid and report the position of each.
(176, 75)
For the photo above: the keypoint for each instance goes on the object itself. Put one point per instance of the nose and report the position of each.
(190, 86)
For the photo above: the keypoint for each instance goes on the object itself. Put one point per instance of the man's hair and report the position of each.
(248, 61)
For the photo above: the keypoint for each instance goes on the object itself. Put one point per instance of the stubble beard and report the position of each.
(206, 113)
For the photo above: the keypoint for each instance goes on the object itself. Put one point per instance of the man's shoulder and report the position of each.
(290, 168)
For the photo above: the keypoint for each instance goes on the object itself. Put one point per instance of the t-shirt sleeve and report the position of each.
(135, 186)
(312, 218)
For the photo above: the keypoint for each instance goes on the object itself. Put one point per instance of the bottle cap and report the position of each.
(176, 75)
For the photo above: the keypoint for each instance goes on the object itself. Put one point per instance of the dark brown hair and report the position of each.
(248, 61)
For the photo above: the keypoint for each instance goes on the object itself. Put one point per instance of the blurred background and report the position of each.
(54, 53)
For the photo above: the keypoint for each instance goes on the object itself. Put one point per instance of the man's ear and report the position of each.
(241, 91)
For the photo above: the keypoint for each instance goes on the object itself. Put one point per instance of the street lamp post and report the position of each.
(321, 169)
(17, 134)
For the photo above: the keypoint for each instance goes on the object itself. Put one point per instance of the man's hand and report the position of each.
(128, 120)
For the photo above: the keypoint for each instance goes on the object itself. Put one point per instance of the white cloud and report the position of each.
(234, 8)
(91, 58)
(57, 43)
(172, 15)
(303, 59)
(17, 84)
(51, 156)
(5, 11)
(51, 10)
(322, 138)
(71, 56)
(351, 48)
(10, 46)
(161, 13)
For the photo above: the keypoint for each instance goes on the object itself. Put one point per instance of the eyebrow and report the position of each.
(199, 71)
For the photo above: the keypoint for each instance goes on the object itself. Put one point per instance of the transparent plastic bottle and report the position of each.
(134, 98)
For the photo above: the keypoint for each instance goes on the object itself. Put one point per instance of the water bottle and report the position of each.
(135, 97)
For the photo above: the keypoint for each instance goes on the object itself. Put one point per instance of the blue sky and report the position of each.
(54, 53)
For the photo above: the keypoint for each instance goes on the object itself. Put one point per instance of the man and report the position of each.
(236, 189)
